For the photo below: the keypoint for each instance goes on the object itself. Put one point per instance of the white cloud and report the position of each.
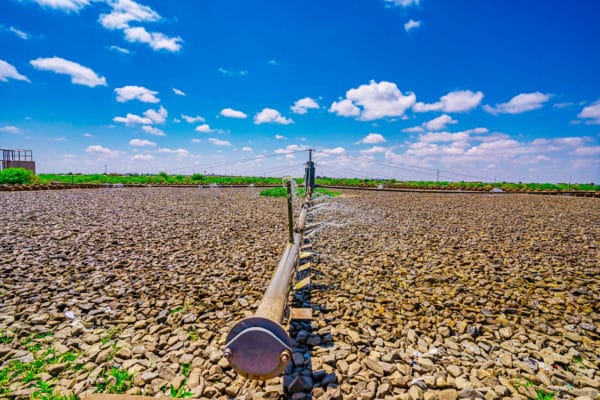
(591, 113)
(64, 5)
(79, 74)
(413, 129)
(444, 137)
(374, 150)
(587, 151)
(372, 138)
(10, 129)
(131, 92)
(334, 152)
(178, 92)
(344, 108)
(280, 137)
(458, 101)
(120, 50)
(270, 115)
(153, 131)
(194, 140)
(150, 117)
(142, 157)
(60, 139)
(411, 24)
(520, 103)
(247, 149)
(378, 100)
(141, 143)
(205, 128)
(125, 11)
(156, 40)
(192, 120)
(88, 135)
(272, 61)
(103, 151)
(19, 33)
(8, 71)
(158, 117)
(404, 3)
(132, 119)
(231, 113)
(302, 106)
(181, 153)
(291, 148)
(563, 105)
(439, 123)
(219, 142)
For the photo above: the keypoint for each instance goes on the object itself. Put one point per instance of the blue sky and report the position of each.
(477, 90)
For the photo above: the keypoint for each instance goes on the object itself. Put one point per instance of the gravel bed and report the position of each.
(414, 296)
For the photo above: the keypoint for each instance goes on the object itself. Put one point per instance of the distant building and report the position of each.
(17, 158)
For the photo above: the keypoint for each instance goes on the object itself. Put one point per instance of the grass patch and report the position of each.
(6, 338)
(274, 192)
(116, 381)
(176, 310)
(544, 395)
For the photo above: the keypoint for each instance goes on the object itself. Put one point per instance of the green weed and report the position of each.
(179, 393)
(122, 382)
(5, 338)
(543, 395)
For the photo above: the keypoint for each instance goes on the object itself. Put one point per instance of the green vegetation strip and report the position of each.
(11, 176)
(300, 192)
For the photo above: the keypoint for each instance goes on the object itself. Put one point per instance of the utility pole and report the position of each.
(309, 173)
(437, 176)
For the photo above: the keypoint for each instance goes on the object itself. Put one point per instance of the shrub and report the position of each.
(13, 176)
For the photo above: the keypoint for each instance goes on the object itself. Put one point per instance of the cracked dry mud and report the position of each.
(415, 296)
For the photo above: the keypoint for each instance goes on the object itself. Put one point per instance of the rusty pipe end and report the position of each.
(258, 348)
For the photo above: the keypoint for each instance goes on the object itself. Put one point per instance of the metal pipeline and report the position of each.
(258, 347)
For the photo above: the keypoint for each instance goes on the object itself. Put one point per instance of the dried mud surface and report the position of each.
(414, 296)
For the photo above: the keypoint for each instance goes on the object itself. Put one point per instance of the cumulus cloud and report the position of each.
(156, 40)
(291, 148)
(103, 151)
(403, 3)
(219, 142)
(411, 24)
(587, 151)
(64, 5)
(247, 149)
(270, 115)
(192, 120)
(141, 143)
(126, 11)
(132, 119)
(377, 99)
(231, 113)
(8, 71)
(79, 74)
(181, 153)
(372, 138)
(20, 34)
(280, 137)
(591, 113)
(338, 151)
(519, 104)
(142, 157)
(458, 101)
(374, 150)
(10, 129)
(439, 123)
(444, 137)
(157, 116)
(302, 106)
(131, 92)
(178, 92)
(153, 131)
(119, 50)
(205, 128)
